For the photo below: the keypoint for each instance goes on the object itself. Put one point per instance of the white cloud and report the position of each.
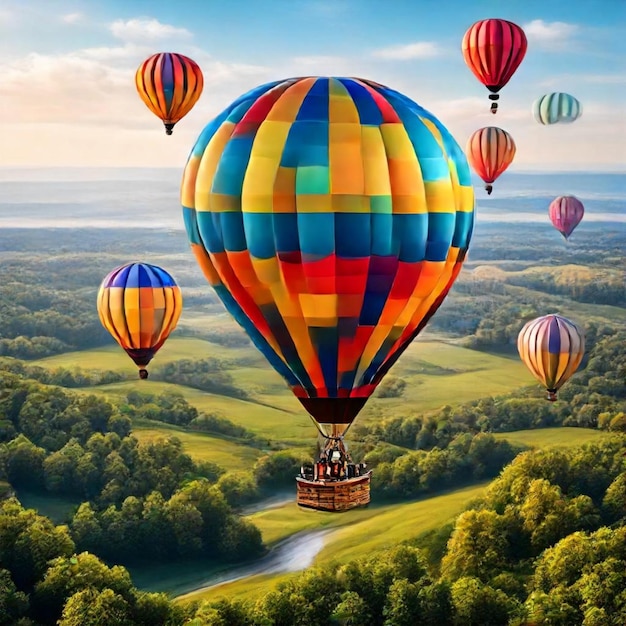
(95, 86)
(550, 35)
(405, 52)
(6, 17)
(140, 29)
(72, 18)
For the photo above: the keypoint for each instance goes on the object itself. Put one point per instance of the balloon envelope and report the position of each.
(552, 348)
(565, 213)
(493, 50)
(490, 151)
(331, 216)
(139, 304)
(557, 108)
(169, 84)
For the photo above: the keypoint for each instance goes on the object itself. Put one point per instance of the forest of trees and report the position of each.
(81, 446)
(546, 545)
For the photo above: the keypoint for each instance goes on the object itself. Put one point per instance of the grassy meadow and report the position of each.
(560, 437)
(437, 372)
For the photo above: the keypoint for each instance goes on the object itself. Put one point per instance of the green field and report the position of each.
(113, 357)
(354, 534)
(560, 437)
(204, 447)
(436, 373)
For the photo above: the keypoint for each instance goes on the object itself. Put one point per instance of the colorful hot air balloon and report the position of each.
(490, 151)
(139, 304)
(169, 84)
(493, 50)
(331, 216)
(557, 108)
(565, 213)
(552, 348)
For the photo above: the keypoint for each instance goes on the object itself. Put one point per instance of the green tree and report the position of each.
(28, 541)
(477, 547)
(13, 603)
(477, 604)
(67, 576)
(90, 607)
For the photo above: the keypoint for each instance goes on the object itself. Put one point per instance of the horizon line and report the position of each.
(175, 167)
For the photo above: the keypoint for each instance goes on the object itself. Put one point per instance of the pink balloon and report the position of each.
(565, 213)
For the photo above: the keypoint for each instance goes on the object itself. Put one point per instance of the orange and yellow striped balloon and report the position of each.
(139, 304)
(490, 151)
(169, 84)
(552, 348)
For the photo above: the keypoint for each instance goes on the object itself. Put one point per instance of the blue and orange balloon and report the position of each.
(552, 348)
(139, 304)
(169, 85)
(331, 216)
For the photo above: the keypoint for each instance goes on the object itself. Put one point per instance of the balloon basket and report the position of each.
(333, 482)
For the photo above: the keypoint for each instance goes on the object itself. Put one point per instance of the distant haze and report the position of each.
(150, 198)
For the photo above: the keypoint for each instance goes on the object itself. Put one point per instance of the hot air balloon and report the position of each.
(557, 108)
(331, 216)
(493, 50)
(139, 304)
(565, 213)
(490, 151)
(169, 84)
(552, 348)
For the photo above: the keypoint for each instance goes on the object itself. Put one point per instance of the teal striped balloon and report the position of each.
(557, 108)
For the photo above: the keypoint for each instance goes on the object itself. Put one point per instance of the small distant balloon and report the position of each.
(557, 108)
(493, 50)
(565, 213)
(552, 348)
(139, 304)
(170, 85)
(490, 151)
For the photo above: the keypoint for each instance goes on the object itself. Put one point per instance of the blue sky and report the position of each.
(69, 97)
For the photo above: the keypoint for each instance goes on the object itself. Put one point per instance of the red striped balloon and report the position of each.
(169, 84)
(493, 50)
(565, 213)
(490, 151)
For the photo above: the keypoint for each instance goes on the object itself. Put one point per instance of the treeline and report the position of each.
(80, 446)
(61, 376)
(467, 459)
(43, 581)
(172, 408)
(605, 286)
(37, 321)
(205, 374)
